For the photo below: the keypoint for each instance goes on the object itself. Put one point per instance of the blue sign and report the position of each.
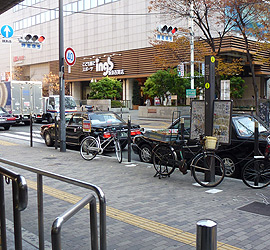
(7, 31)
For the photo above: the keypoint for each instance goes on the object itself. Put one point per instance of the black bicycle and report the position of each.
(256, 172)
(206, 167)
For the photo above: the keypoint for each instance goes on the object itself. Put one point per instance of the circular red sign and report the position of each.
(70, 56)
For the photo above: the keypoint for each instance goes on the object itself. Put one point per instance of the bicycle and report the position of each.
(256, 172)
(91, 146)
(206, 167)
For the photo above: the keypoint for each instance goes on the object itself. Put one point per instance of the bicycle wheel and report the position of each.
(164, 160)
(201, 169)
(89, 148)
(118, 150)
(256, 173)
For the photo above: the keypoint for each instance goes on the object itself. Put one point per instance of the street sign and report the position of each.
(70, 56)
(165, 38)
(191, 93)
(7, 31)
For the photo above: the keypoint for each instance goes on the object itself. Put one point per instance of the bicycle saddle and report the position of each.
(180, 142)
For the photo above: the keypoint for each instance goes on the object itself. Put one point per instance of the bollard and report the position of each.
(256, 138)
(31, 131)
(55, 132)
(206, 235)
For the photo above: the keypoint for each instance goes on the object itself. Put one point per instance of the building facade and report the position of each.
(109, 37)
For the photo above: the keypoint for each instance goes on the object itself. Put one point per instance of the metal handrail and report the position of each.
(96, 189)
(20, 199)
(60, 220)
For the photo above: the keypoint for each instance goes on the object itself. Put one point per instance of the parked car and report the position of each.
(101, 122)
(6, 119)
(234, 155)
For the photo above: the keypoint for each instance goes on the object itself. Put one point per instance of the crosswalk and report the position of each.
(23, 136)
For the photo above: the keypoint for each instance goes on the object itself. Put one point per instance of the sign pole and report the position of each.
(61, 79)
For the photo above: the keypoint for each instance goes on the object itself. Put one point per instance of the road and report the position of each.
(21, 134)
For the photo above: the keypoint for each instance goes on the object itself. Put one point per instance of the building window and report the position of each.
(93, 3)
(100, 2)
(87, 5)
(80, 5)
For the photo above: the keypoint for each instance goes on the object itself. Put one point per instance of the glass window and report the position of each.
(57, 13)
(87, 4)
(108, 1)
(100, 2)
(80, 5)
(21, 24)
(25, 23)
(42, 17)
(68, 9)
(27, 2)
(105, 118)
(48, 16)
(74, 7)
(245, 125)
(53, 14)
(33, 20)
(65, 10)
(38, 19)
(93, 3)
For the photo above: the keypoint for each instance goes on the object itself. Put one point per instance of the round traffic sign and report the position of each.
(70, 56)
(7, 31)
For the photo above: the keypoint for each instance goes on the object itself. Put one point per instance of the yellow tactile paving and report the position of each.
(149, 225)
(6, 143)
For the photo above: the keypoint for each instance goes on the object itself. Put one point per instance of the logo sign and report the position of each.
(7, 31)
(70, 56)
(191, 93)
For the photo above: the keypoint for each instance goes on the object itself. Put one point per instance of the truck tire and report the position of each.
(50, 119)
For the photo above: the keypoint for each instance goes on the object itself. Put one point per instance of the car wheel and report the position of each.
(7, 127)
(146, 153)
(48, 139)
(231, 168)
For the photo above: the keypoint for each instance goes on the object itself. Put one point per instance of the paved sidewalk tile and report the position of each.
(143, 212)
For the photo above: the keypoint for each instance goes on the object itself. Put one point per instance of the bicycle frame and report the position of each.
(106, 142)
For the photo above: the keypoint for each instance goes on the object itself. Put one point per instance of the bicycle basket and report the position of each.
(210, 142)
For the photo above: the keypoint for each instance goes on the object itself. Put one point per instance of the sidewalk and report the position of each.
(143, 212)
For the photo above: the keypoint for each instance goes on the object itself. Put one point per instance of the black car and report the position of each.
(6, 119)
(234, 155)
(101, 122)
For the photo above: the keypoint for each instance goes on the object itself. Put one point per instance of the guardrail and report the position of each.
(20, 199)
(102, 203)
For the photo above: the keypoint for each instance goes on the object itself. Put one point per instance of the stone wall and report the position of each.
(162, 112)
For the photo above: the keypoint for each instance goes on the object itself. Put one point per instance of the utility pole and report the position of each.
(61, 79)
(191, 46)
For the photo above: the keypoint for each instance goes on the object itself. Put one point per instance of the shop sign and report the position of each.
(106, 67)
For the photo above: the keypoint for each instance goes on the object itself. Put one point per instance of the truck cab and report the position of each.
(51, 107)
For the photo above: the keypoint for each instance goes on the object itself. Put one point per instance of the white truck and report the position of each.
(21, 99)
(51, 107)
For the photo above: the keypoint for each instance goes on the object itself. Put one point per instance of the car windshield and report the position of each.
(105, 118)
(69, 102)
(245, 125)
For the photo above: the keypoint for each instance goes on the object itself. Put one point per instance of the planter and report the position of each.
(135, 107)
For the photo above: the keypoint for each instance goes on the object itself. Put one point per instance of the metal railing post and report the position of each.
(129, 139)
(206, 235)
(2, 215)
(40, 211)
(60, 220)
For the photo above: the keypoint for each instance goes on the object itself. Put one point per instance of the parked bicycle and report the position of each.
(91, 146)
(206, 167)
(256, 172)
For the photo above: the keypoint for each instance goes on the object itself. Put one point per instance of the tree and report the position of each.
(51, 85)
(237, 87)
(165, 82)
(106, 88)
(216, 18)
(251, 19)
